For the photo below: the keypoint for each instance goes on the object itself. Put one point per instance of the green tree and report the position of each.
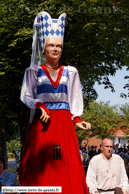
(124, 110)
(124, 113)
(103, 118)
(3, 151)
(13, 145)
(12, 129)
(96, 42)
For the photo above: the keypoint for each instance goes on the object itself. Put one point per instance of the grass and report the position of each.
(11, 159)
(11, 170)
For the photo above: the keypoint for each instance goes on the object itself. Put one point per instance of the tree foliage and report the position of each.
(103, 118)
(12, 129)
(123, 111)
(96, 42)
(13, 145)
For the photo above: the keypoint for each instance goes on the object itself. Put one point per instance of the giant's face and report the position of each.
(53, 48)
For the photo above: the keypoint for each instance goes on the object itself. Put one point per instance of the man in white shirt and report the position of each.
(106, 171)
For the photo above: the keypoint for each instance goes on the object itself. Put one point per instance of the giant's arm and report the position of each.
(75, 98)
(28, 89)
(75, 93)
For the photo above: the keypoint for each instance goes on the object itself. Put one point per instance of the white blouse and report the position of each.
(75, 99)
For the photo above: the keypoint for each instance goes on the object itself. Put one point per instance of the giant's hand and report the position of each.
(80, 125)
(44, 116)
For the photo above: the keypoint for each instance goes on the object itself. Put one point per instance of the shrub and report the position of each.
(13, 145)
(11, 155)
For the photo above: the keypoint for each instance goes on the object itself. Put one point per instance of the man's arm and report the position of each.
(91, 177)
(124, 178)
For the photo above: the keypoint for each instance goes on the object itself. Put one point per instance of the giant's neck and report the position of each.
(53, 63)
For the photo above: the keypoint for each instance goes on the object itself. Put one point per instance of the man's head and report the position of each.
(95, 147)
(92, 148)
(83, 149)
(114, 146)
(126, 159)
(107, 147)
(117, 145)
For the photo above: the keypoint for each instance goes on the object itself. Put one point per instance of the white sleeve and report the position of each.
(28, 86)
(75, 98)
(91, 177)
(124, 178)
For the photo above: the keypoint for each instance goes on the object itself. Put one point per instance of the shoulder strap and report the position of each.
(6, 179)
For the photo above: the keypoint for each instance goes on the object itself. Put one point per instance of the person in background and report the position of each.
(84, 155)
(106, 171)
(120, 151)
(89, 148)
(117, 148)
(80, 149)
(126, 162)
(124, 153)
(85, 159)
(114, 149)
(17, 158)
(96, 150)
(128, 149)
(99, 150)
(92, 152)
(7, 178)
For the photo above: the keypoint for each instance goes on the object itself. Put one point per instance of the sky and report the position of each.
(118, 82)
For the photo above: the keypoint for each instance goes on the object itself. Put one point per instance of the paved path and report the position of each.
(12, 164)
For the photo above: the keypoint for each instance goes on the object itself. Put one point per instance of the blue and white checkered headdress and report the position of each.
(48, 28)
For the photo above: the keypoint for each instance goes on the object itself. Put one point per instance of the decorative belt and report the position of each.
(106, 190)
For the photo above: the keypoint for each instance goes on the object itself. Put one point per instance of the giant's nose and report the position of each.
(55, 48)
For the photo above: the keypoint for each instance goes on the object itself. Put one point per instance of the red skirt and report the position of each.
(39, 166)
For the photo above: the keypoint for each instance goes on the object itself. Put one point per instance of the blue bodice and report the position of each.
(54, 98)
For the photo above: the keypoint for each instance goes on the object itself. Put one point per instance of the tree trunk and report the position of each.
(3, 149)
(24, 125)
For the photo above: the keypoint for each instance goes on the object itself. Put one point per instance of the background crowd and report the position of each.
(88, 154)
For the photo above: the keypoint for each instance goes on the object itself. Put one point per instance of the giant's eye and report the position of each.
(59, 46)
(50, 45)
